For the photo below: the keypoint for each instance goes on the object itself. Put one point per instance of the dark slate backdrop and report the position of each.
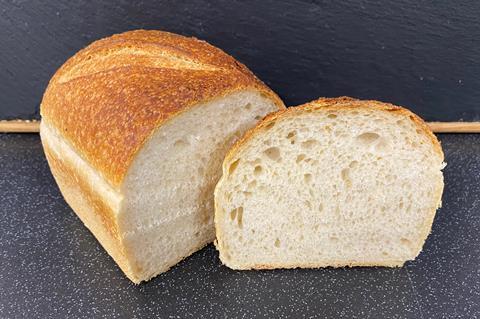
(420, 54)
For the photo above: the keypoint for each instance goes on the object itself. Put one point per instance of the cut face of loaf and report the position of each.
(168, 205)
(135, 128)
(336, 182)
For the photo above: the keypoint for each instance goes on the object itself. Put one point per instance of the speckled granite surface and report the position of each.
(52, 267)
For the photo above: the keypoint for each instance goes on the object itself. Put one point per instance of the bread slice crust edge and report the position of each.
(327, 104)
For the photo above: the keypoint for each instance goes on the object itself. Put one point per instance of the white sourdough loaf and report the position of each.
(135, 128)
(335, 182)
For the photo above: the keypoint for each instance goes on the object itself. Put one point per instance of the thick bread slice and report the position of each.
(135, 128)
(335, 182)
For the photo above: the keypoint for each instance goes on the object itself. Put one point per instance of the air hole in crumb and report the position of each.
(346, 177)
(240, 216)
(233, 166)
(368, 137)
(277, 243)
(257, 170)
(291, 137)
(418, 131)
(180, 143)
(332, 116)
(320, 207)
(333, 238)
(309, 144)
(258, 117)
(252, 185)
(200, 170)
(353, 164)
(307, 178)
(248, 106)
(237, 214)
(273, 153)
(233, 214)
(300, 158)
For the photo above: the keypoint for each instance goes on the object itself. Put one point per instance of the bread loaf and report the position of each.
(335, 182)
(135, 128)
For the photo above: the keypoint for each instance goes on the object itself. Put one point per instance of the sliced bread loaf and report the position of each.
(135, 128)
(335, 182)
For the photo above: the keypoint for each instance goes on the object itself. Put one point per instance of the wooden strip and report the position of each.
(18, 126)
(454, 127)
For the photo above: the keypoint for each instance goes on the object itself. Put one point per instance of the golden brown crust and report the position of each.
(72, 176)
(109, 98)
(90, 207)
